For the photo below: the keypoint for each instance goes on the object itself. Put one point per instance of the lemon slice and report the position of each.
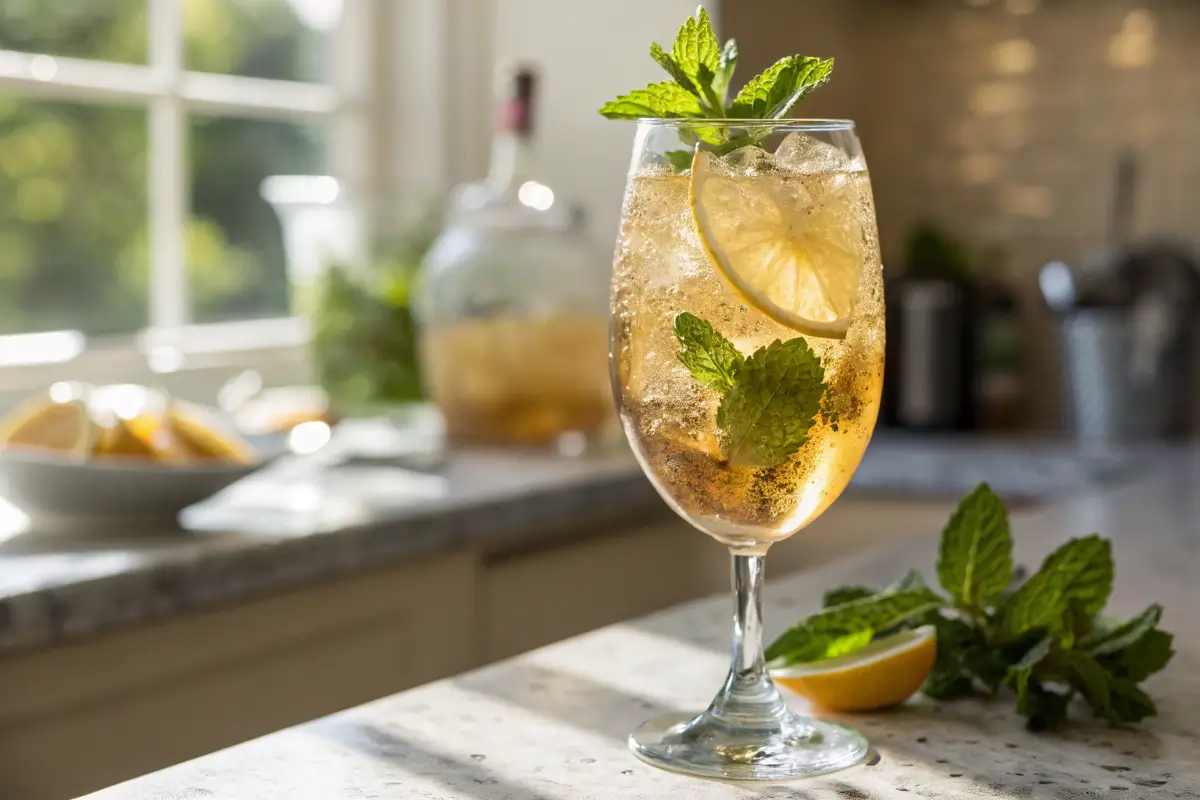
(788, 243)
(142, 437)
(884, 673)
(203, 439)
(61, 426)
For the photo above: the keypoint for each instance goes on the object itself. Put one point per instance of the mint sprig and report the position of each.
(702, 69)
(769, 401)
(1047, 641)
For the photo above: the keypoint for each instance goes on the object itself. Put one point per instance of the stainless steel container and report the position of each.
(1119, 388)
(1096, 360)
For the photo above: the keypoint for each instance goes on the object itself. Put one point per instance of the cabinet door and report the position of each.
(534, 598)
(82, 717)
(855, 523)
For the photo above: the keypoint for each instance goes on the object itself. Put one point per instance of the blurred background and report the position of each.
(136, 237)
(323, 237)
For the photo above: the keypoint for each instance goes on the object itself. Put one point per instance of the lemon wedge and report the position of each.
(203, 439)
(61, 426)
(144, 437)
(884, 673)
(788, 243)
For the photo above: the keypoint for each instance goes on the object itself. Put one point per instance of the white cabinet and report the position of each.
(84, 716)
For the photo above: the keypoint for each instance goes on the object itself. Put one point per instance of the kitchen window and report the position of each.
(134, 139)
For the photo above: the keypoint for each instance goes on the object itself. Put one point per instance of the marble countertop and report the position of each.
(551, 724)
(291, 524)
(295, 523)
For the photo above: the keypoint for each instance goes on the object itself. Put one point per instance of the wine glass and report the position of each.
(747, 364)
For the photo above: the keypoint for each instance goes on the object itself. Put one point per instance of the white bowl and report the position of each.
(58, 494)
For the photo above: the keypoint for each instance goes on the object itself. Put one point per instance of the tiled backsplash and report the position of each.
(1003, 120)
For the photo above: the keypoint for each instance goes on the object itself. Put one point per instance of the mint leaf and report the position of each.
(951, 678)
(848, 627)
(1044, 709)
(1141, 658)
(846, 594)
(1112, 639)
(765, 417)
(1128, 703)
(667, 100)
(947, 681)
(710, 357)
(725, 68)
(975, 557)
(681, 160)
(672, 67)
(1033, 656)
(771, 94)
(1031, 701)
(988, 664)
(1088, 676)
(696, 53)
(911, 582)
(1076, 577)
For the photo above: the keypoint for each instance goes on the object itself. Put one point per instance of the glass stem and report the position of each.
(749, 698)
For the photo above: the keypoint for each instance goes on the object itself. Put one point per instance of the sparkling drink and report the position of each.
(747, 356)
(747, 361)
(662, 269)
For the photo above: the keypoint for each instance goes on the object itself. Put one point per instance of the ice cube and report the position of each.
(800, 152)
(750, 160)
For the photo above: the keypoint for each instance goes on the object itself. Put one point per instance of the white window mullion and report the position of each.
(257, 97)
(77, 79)
(168, 180)
(350, 156)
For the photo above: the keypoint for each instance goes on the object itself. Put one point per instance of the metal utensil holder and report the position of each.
(1109, 403)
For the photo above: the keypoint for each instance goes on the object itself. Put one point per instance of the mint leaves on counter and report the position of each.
(1047, 640)
(701, 71)
(769, 401)
(842, 629)
(975, 559)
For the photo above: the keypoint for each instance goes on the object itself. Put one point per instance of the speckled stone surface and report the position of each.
(551, 725)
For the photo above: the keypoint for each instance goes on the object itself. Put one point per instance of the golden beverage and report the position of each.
(520, 379)
(661, 269)
(747, 353)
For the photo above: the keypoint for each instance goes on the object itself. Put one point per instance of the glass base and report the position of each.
(707, 747)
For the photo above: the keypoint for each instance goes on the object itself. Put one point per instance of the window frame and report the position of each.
(169, 92)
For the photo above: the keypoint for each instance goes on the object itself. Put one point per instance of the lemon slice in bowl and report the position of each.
(203, 437)
(884, 673)
(57, 424)
(787, 242)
